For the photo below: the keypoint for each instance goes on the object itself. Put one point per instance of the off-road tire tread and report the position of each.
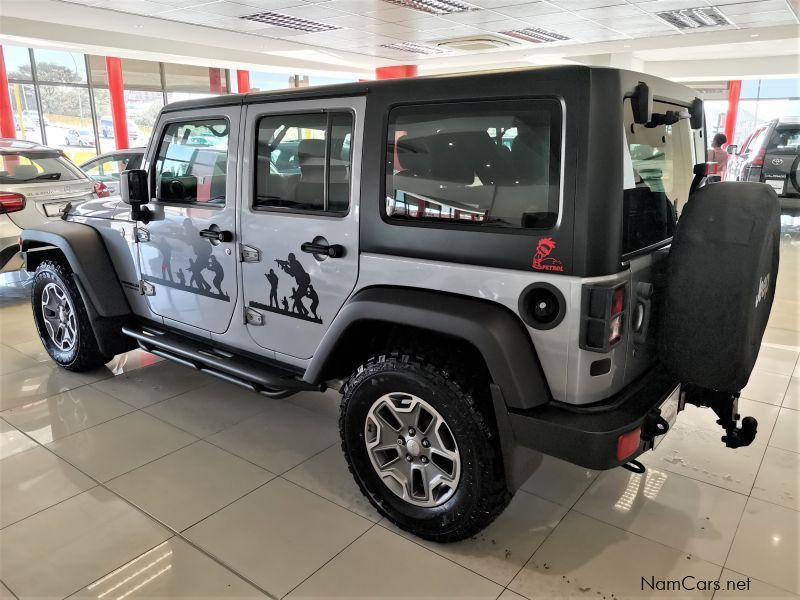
(88, 355)
(433, 365)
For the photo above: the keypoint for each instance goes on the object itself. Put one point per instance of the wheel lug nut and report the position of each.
(409, 458)
(424, 460)
(426, 443)
(401, 442)
(412, 431)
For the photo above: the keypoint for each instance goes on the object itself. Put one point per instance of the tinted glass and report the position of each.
(479, 164)
(785, 140)
(55, 66)
(109, 169)
(191, 165)
(303, 162)
(29, 168)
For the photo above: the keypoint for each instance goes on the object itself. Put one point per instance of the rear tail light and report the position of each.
(11, 202)
(628, 443)
(101, 189)
(603, 317)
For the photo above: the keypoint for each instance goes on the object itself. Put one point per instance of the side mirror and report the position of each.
(642, 104)
(732, 149)
(134, 191)
(696, 111)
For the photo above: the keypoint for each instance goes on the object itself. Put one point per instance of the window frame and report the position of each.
(153, 159)
(281, 210)
(560, 127)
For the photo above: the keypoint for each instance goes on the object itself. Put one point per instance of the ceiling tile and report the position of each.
(475, 17)
(555, 19)
(502, 25)
(575, 5)
(532, 9)
(753, 7)
(624, 11)
(314, 12)
(764, 18)
(662, 5)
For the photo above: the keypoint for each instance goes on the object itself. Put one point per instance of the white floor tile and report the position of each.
(778, 478)
(699, 454)
(704, 418)
(41, 381)
(148, 385)
(777, 360)
(34, 480)
(559, 481)
(381, 564)
(326, 403)
(173, 569)
(786, 434)
(66, 413)
(766, 386)
(735, 586)
(13, 441)
(11, 360)
(586, 558)
(118, 446)
(33, 349)
(278, 535)
(766, 545)
(280, 438)
(689, 515)
(210, 409)
(5, 593)
(509, 595)
(186, 486)
(499, 551)
(327, 474)
(792, 397)
(57, 551)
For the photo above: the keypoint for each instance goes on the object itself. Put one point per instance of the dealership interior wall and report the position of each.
(146, 479)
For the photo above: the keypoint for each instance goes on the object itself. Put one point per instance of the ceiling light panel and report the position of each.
(535, 35)
(694, 18)
(413, 48)
(289, 22)
(435, 7)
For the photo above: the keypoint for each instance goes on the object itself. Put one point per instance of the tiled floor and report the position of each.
(145, 480)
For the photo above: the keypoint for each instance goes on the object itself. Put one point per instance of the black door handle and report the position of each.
(217, 235)
(331, 251)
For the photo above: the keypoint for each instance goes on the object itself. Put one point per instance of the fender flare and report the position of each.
(88, 258)
(496, 332)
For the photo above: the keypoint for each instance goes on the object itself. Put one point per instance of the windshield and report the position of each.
(29, 168)
(785, 140)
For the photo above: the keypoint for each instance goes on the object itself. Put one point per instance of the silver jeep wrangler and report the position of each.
(488, 267)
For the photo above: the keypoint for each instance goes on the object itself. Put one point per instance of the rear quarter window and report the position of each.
(785, 140)
(477, 164)
(33, 168)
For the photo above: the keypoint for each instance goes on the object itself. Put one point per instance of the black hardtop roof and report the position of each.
(386, 86)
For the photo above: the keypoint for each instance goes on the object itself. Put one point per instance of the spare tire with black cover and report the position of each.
(720, 284)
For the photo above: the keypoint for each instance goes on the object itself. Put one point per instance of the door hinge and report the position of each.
(253, 317)
(148, 289)
(141, 234)
(249, 254)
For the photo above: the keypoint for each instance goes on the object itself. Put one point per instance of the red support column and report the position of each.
(396, 72)
(116, 90)
(243, 81)
(7, 129)
(734, 91)
(215, 81)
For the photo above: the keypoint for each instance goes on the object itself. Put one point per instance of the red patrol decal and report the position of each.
(542, 261)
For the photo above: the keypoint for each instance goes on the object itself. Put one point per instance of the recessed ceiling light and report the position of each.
(413, 48)
(694, 18)
(435, 7)
(289, 22)
(535, 35)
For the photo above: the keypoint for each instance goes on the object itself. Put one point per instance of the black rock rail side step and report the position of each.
(262, 378)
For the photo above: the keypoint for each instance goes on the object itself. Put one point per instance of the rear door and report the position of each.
(658, 175)
(781, 157)
(302, 197)
(187, 252)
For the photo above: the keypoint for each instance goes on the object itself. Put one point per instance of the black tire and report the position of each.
(84, 354)
(481, 493)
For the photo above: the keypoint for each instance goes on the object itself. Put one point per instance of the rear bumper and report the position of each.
(590, 439)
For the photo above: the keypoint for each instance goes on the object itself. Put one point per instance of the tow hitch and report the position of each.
(726, 406)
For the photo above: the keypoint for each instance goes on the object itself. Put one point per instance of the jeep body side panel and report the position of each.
(495, 332)
(86, 253)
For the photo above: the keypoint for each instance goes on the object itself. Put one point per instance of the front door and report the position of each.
(187, 258)
(300, 219)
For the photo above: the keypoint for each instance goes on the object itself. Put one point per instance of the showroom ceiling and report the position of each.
(419, 30)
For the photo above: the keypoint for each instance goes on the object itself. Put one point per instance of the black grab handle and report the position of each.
(218, 235)
(331, 251)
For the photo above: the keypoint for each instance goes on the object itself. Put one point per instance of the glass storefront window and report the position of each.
(18, 62)
(142, 109)
(54, 66)
(26, 117)
(192, 79)
(68, 120)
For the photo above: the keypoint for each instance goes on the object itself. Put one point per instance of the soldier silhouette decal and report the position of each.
(300, 301)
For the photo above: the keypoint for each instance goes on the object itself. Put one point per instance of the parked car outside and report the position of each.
(107, 167)
(79, 137)
(106, 127)
(771, 154)
(36, 184)
(27, 121)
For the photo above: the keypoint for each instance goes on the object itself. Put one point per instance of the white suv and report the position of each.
(36, 183)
